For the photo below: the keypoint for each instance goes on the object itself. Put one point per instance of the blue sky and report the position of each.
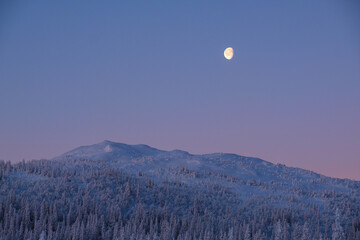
(78, 72)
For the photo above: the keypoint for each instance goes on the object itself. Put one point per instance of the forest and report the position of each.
(44, 199)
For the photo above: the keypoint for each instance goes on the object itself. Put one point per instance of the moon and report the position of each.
(229, 53)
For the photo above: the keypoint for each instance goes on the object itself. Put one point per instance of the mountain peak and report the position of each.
(109, 150)
(148, 160)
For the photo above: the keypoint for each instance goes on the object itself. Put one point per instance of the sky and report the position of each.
(75, 73)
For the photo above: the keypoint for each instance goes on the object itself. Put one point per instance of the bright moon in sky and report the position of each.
(229, 53)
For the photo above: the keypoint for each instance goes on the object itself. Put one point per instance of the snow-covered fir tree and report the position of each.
(86, 200)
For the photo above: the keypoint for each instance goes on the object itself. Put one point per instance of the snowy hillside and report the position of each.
(244, 175)
(117, 191)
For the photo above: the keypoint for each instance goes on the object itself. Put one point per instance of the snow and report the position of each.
(246, 176)
(107, 148)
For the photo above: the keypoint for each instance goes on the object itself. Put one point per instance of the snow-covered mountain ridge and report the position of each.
(248, 176)
(118, 191)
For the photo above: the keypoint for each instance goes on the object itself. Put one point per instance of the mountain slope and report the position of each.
(247, 176)
(118, 191)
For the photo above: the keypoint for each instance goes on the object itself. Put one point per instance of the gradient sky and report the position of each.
(78, 72)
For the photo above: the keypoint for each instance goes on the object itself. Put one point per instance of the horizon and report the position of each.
(177, 149)
(72, 73)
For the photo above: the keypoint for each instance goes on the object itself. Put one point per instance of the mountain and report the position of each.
(115, 191)
(247, 176)
(108, 150)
